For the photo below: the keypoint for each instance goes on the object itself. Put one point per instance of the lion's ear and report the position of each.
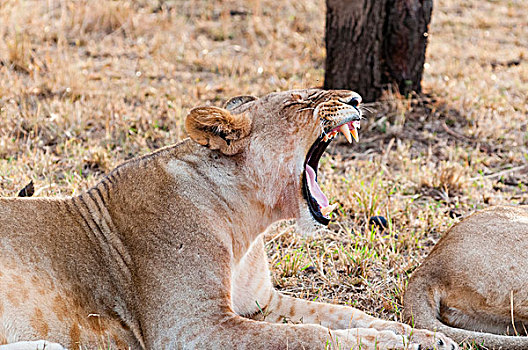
(218, 129)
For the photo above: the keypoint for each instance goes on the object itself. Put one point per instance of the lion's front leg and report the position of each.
(241, 333)
(284, 308)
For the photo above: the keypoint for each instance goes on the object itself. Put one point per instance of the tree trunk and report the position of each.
(376, 44)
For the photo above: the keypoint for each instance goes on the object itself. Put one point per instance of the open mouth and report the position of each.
(318, 203)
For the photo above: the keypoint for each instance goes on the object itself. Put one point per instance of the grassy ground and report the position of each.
(85, 86)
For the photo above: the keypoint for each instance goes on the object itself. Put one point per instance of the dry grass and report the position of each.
(85, 85)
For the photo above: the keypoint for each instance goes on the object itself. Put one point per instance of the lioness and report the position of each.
(167, 252)
(474, 285)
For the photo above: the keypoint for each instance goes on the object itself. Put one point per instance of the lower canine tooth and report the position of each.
(346, 131)
(328, 209)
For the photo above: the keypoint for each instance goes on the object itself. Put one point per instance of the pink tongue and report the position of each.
(314, 188)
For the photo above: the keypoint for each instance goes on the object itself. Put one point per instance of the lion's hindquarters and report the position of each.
(474, 279)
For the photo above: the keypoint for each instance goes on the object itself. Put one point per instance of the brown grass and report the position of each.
(85, 85)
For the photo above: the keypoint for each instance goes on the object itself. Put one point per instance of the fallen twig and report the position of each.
(499, 174)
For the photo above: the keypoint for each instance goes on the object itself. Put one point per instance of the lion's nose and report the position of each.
(354, 101)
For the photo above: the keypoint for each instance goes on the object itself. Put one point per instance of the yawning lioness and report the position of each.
(166, 252)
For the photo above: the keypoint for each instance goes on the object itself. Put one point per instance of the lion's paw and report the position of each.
(432, 340)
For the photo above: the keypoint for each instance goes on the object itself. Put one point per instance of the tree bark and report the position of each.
(372, 45)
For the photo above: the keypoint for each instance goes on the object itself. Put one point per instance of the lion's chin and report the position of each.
(307, 226)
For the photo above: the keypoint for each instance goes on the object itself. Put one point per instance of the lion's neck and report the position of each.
(231, 200)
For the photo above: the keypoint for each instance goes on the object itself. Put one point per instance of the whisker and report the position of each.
(371, 104)
(370, 110)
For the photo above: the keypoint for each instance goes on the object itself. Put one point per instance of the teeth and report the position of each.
(354, 134)
(349, 130)
(346, 131)
(327, 210)
(330, 136)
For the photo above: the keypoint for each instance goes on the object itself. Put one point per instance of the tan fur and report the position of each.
(474, 279)
(218, 129)
(166, 252)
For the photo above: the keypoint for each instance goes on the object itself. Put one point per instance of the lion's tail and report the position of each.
(422, 307)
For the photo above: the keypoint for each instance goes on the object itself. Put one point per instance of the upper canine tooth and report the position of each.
(346, 131)
(354, 134)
